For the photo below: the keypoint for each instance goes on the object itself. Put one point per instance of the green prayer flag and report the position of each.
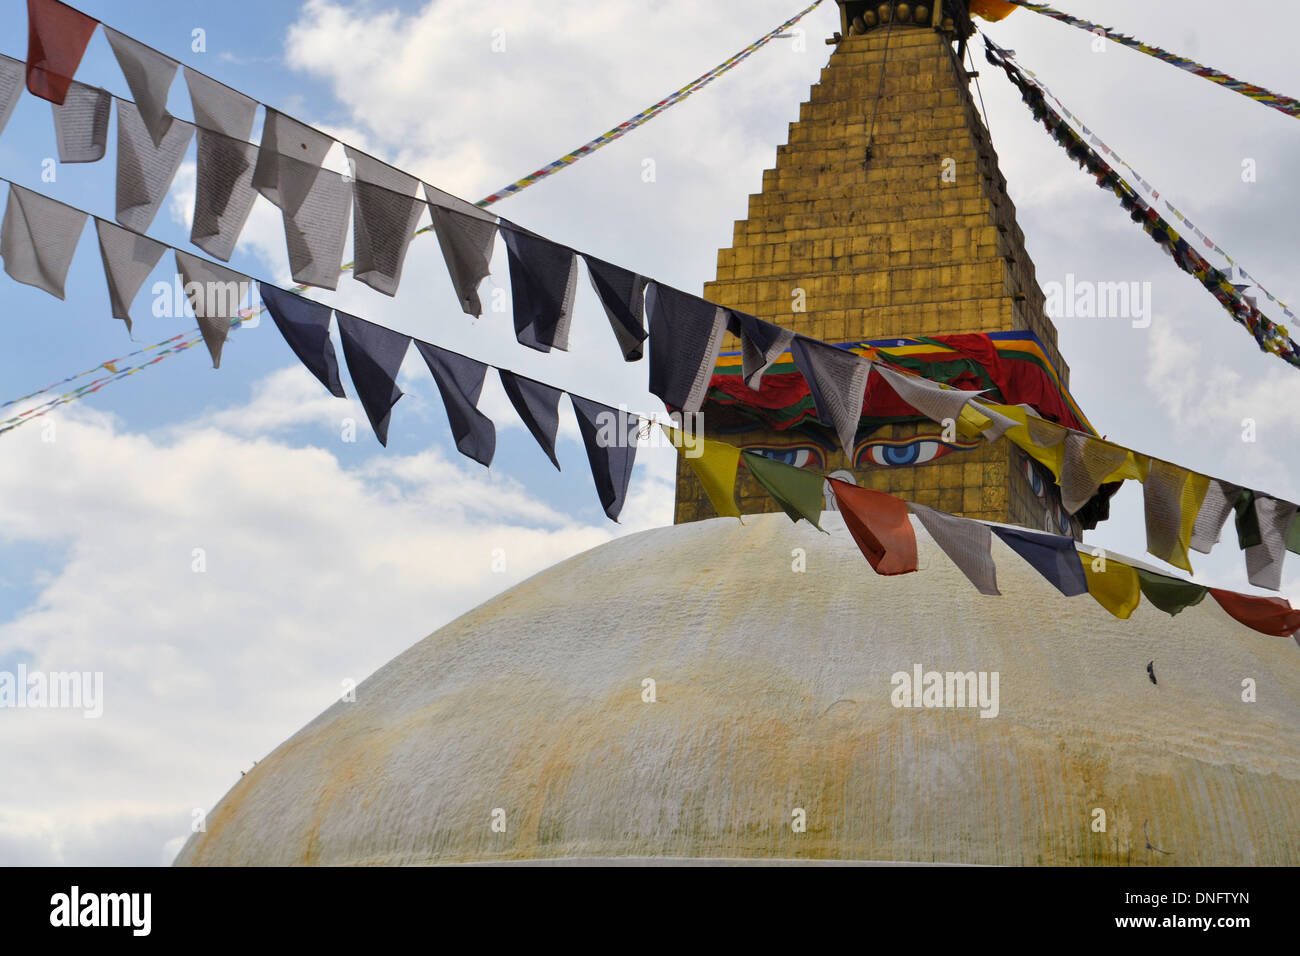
(1247, 521)
(1171, 595)
(1293, 539)
(797, 490)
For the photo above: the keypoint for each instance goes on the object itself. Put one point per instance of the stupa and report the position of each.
(732, 692)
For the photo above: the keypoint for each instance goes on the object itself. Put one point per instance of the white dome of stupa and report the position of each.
(520, 730)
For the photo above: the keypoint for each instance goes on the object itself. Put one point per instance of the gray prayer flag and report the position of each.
(466, 235)
(934, 401)
(1264, 560)
(38, 239)
(223, 191)
(128, 259)
(385, 213)
(81, 123)
(761, 344)
(12, 73)
(144, 171)
(149, 75)
(215, 293)
(837, 379)
(1085, 464)
(968, 544)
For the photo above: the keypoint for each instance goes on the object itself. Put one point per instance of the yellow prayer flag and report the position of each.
(715, 466)
(1116, 588)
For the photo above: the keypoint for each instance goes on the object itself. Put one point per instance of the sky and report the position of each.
(211, 542)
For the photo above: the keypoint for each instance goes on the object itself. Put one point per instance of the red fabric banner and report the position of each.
(880, 526)
(1268, 615)
(56, 39)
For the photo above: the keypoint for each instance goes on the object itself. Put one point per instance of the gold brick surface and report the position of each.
(886, 247)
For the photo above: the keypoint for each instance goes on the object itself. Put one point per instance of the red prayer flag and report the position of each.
(1268, 615)
(880, 526)
(56, 39)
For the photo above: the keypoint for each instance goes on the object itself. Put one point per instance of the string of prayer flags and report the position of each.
(761, 344)
(715, 464)
(314, 202)
(11, 87)
(81, 123)
(1112, 584)
(128, 259)
(215, 294)
(145, 171)
(149, 76)
(374, 355)
(223, 192)
(968, 544)
(460, 382)
(880, 526)
(797, 490)
(685, 337)
(38, 238)
(1172, 497)
(610, 436)
(931, 399)
(1274, 519)
(386, 209)
(305, 326)
(538, 405)
(1054, 556)
(543, 283)
(622, 294)
(56, 40)
(1268, 615)
(1171, 595)
(466, 235)
(837, 379)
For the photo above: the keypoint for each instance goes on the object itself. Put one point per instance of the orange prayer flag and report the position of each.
(56, 39)
(1268, 615)
(880, 526)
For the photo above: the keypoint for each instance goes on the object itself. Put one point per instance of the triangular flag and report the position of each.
(386, 210)
(715, 464)
(1268, 615)
(149, 76)
(685, 336)
(38, 239)
(305, 325)
(466, 235)
(1086, 464)
(880, 526)
(837, 379)
(11, 86)
(543, 282)
(56, 39)
(968, 544)
(81, 123)
(144, 171)
(538, 406)
(374, 355)
(1053, 556)
(1264, 560)
(1113, 585)
(622, 293)
(215, 294)
(939, 404)
(460, 382)
(610, 436)
(761, 344)
(1171, 595)
(798, 491)
(287, 184)
(128, 259)
(1172, 498)
(223, 188)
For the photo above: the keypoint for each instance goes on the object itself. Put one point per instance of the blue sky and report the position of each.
(326, 558)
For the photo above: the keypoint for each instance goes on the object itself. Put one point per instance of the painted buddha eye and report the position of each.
(1034, 478)
(892, 455)
(798, 457)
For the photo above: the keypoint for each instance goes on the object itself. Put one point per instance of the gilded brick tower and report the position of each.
(886, 216)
